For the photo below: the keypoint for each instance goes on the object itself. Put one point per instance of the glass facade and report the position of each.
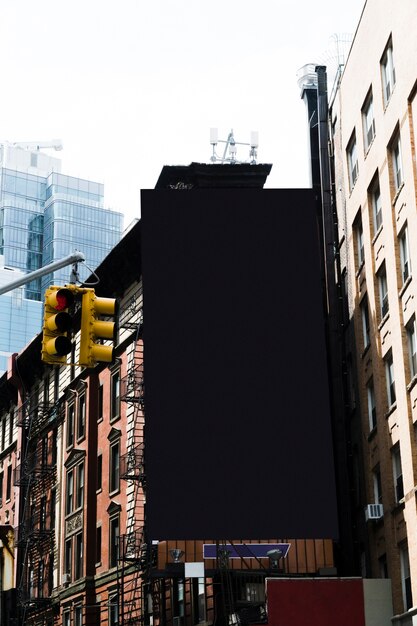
(43, 218)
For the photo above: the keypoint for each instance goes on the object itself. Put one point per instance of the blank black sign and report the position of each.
(238, 434)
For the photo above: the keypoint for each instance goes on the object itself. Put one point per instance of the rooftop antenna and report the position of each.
(230, 150)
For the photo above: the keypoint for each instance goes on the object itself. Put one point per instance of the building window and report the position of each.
(371, 405)
(352, 160)
(365, 323)
(113, 610)
(398, 474)
(9, 483)
(41, 573)
(31, 582)
(383, 291)
(376, 206)
(80, 485)
(100, 402)
(66, 621)
(114, 479)
(368, 121)
(78, 556)
(42, 521)
(360, 251)
(99, 471)
(3, 433)
(81, 418)
(68, 557)
(11, 426)
(377, 485)
(115, 396)
(98, 545)
(404, 255)
(388, 73)
(412, 348)
(54, 446)
(1, 487)
(397, 167)
(405, 578)
(69, 506)
(114, 540)
(78, 615)
(389, 373)
(70, 425)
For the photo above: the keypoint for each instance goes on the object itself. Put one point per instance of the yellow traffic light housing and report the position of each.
(94, 329)
(57, 323)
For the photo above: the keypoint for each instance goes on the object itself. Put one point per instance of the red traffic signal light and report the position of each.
(56, 343)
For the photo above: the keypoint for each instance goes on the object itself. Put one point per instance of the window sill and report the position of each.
(372, 433)
(114, 493)
(81, 438)
(391, 410)
(378, 232)
(365, 351)
(383, 321)
(99, 564)
(398, 506)
(360, 268)
(99, 490)
(114, 419)
(397, 193)
(412, 383)
(404, 287)
(369, 146)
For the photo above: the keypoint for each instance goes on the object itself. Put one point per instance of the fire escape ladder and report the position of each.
(35, 476)
(133, 553)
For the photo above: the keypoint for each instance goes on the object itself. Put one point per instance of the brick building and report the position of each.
(72, 487)
(373, 116)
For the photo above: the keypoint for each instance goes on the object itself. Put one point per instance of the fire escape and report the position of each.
(36, 478)
(133, 553)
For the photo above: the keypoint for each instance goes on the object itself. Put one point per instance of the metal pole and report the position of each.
(56, 265)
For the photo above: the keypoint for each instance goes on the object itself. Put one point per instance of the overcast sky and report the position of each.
(130, 86)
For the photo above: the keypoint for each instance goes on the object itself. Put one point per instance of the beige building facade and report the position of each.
(373, 118)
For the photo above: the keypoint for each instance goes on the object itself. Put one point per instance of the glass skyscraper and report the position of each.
(44, 216)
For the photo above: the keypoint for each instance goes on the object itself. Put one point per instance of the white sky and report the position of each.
(132, 85)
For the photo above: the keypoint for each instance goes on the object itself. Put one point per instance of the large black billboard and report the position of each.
(237, 434)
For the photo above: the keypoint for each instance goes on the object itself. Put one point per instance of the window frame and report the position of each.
(388, 73)
(383, 291)
(79, 555)
(397, 474)
(404, 254)
(412, 346)
(368, 124)
(366, 324)
(70, 425)
(390, 380)
(372, 414)
(397, 162)
(80, 484)
(69, 492)
(115, 396)
(375, 194)
(81, 417)
(114, 534)
(352, 161)
(114, 466)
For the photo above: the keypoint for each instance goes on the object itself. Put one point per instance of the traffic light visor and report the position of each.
(60, 299)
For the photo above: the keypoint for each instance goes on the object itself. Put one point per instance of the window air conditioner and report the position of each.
(374, 512)
(66, 579)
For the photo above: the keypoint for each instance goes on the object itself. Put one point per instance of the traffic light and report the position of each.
(56, 343)
(94, 329)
